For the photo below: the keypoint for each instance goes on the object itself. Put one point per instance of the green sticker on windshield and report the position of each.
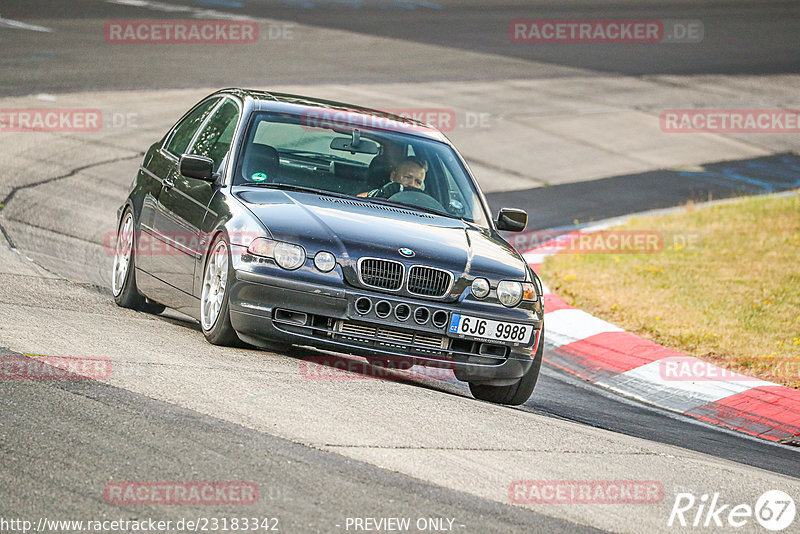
(259, 177)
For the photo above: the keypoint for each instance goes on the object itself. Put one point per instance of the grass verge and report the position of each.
(725, 286)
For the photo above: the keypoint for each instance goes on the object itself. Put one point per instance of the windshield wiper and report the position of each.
(298, 188)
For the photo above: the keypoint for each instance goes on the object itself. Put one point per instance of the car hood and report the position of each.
(353, 229)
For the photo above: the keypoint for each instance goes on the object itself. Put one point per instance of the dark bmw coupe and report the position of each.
(277, 219)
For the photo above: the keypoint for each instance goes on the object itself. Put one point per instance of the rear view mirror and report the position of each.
(354, 144)
(512, 220)
(199, 167)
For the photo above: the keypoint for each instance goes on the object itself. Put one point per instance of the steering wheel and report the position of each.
(417, 197)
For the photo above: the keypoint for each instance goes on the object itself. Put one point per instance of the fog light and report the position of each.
(324, 261)
(480, 287)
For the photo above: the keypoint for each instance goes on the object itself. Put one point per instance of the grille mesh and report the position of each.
(357, 329)
(428, 282)
(391, 336)
(383, 274)
(398, 336)
(429, 340)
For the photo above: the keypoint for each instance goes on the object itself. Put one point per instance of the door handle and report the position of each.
(168, 183)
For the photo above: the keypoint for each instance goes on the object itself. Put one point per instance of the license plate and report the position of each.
(478, 328)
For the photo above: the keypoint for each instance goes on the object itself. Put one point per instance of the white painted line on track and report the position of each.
(569, 325)
(165, 7)
(8, 23)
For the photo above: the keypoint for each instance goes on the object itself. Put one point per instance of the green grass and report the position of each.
(725, 287)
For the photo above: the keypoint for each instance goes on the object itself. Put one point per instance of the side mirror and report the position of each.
(199, 167)
(512, 220)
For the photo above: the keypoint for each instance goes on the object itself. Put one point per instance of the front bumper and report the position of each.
(275, 305)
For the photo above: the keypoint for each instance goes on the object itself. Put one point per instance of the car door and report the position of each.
(162, 164)
(184, 201)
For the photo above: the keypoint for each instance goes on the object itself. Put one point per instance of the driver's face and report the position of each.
(409, 175)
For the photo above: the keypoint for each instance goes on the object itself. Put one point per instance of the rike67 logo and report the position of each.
(774, 510)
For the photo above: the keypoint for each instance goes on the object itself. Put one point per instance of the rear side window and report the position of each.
(184, 131)
(215, 139)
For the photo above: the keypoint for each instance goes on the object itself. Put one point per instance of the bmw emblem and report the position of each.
(407, 252)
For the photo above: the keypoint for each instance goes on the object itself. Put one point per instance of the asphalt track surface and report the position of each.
(137, 438)
(64, 438)
(740, 37)
(607, 198)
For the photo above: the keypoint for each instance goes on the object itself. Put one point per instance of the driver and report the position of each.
(408, 174)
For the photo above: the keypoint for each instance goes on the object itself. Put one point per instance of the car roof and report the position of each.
(336, 112)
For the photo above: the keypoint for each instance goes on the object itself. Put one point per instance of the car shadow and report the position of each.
(320, 365)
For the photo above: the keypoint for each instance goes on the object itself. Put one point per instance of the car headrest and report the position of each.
(261, 159)
(380, 169)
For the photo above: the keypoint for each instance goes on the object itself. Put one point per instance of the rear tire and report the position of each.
(123, 275)
(215, 315)
(514, 394)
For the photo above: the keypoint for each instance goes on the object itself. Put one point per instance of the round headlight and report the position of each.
(325, 261)
(480, 287)
(509, 293)
(289, 256)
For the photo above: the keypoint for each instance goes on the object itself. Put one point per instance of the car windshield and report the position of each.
(284, 150)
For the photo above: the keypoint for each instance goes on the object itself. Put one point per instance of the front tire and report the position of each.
(123, 276)
(517, 393)
(215, 315)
